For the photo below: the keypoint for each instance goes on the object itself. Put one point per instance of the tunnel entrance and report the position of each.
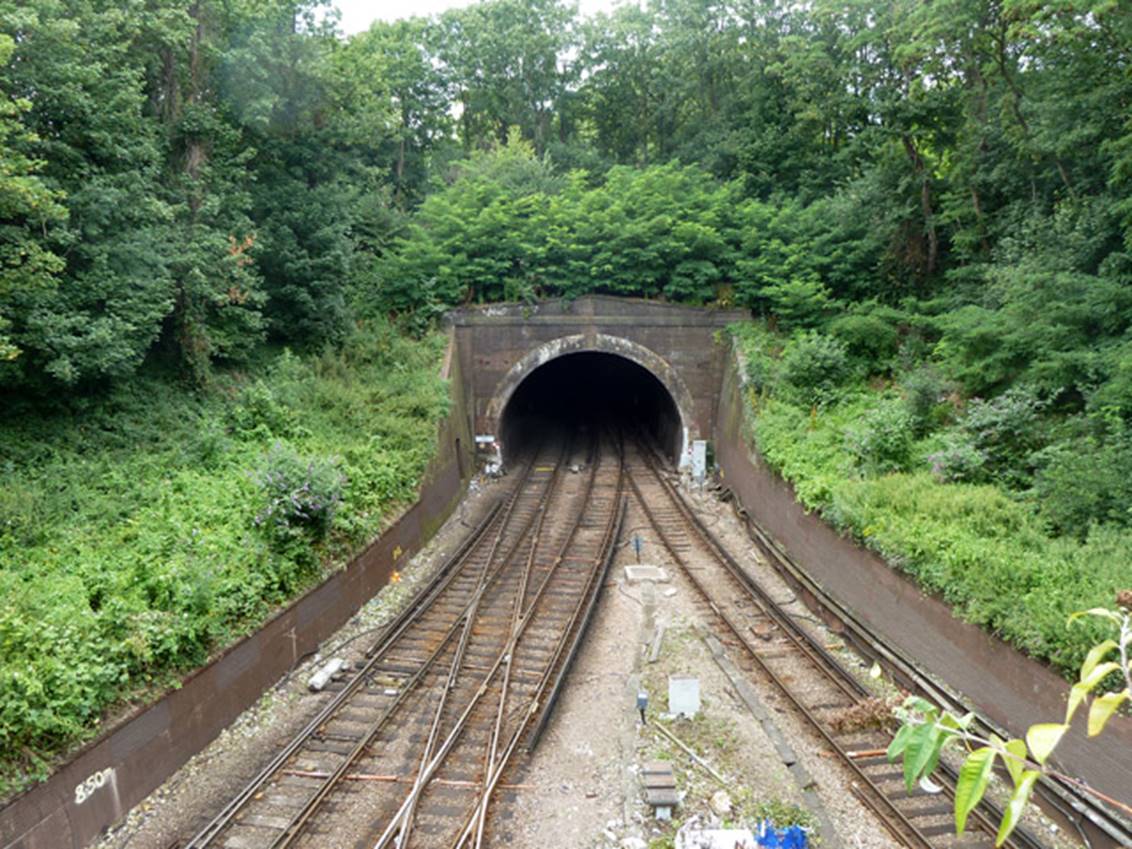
(590, 390)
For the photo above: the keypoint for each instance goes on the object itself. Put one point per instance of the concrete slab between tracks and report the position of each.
(639, 574)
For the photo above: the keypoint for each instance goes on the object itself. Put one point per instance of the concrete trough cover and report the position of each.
(662, 797)
(683, 695)
(635, 574)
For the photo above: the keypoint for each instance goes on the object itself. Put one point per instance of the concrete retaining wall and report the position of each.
(101, 782)
(1005, 685)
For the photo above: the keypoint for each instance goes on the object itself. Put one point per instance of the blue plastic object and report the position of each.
(791, 837)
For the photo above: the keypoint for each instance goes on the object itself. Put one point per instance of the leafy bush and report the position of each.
(1006, 430)
(924, 392)
(258, 414)
(871, 339)
(981, 549)
(798, 301)
(814, 366)
(128, 542)
(959, 460)
(508, 228)
(882, 441)
(302, 493)
(1085, 481)
(760, 352)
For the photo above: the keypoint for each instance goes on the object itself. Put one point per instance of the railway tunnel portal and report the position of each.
(590, 363)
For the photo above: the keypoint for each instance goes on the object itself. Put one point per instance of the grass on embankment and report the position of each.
(855, 458)
(143, 529)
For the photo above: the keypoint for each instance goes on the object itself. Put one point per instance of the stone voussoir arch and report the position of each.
(604, 343)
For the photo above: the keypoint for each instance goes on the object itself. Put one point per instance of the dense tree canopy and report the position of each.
(183, 178)
(181, 181)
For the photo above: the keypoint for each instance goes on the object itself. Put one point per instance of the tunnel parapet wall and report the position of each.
(500, 345)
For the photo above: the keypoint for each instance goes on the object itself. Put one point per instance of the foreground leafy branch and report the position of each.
(927, 730)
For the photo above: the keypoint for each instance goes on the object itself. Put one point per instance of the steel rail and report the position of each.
(1074, 807)
(893, 819)
(495, 766)
(516, 615)
(458, 727)
(555, 671)
(441, 580)
(395, 828)
(300, 818)
(823, 661)
(610, 550)
(534, 704)
(465, 637)
(498, 516)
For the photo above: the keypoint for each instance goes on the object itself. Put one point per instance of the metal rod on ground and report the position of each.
(696, 758)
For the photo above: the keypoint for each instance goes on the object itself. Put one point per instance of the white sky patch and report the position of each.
(357, 15)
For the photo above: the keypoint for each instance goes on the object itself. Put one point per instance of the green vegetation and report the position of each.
(143, 528)
(967, 497)
(926, 730)
(927, 204)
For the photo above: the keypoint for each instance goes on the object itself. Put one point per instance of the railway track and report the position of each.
(776, 649)
(1094, 824)
(411, 749)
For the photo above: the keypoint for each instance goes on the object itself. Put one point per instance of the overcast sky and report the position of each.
(357, 15)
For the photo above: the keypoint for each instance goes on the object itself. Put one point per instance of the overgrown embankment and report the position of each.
(975, 499)
(144, 529)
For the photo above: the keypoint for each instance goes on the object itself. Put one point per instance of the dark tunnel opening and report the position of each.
(585, 392)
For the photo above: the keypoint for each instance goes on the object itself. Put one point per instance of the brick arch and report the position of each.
(618, 346)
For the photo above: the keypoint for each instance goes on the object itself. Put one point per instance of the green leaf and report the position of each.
(1016, 805)
(1102, 708)
(1043, 739)
(1077, 695)
(1102, 612)
(923, 751)
(973, 778)
(1099, 673)
(922, 705)
(1095, 655)
(1016, 764)
(896, 747)
(957, 723)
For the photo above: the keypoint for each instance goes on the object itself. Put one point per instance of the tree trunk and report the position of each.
(400, 170)
(975, 73)
(1016, 108)
(925, 203)
(195, 154)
